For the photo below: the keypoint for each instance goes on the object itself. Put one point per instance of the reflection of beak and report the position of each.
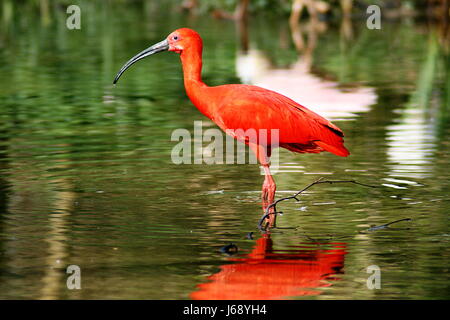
(160, 46)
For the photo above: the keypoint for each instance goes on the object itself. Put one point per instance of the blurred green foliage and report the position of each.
(45, 7)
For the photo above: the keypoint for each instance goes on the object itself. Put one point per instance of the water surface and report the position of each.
(86, 176)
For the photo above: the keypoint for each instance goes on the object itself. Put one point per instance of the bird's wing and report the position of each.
(251, 107)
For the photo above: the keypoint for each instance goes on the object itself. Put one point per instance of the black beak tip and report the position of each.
(116, 78)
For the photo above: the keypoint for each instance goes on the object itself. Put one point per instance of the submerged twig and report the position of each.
(386, 225)
(318, 181)
(371, 229)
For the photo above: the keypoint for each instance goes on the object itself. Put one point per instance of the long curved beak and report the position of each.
(160, 46)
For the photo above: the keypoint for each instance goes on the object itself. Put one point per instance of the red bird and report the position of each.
(237, 106)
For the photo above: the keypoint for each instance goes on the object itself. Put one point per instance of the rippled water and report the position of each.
(86, 176)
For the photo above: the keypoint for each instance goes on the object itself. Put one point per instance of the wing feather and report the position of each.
(300, 129)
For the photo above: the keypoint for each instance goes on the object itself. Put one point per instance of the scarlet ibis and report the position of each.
(247, 107)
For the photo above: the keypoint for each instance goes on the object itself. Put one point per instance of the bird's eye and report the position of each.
(175, 38)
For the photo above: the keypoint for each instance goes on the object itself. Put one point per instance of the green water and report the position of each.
(86, 176)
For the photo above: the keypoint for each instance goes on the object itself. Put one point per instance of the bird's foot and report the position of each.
(269, 217)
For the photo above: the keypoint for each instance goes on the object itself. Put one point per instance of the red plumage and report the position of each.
(300, 129)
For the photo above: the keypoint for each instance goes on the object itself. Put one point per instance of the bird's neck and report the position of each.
(192, 73)
(192, 65)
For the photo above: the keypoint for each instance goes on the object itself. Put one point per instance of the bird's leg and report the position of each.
(269, 187)
(268, 195)
(263, 155)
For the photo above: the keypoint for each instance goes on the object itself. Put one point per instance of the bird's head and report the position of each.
(178, 41)
(183, 39)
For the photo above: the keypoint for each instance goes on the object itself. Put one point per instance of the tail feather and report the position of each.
(330, 139)
(337, 150)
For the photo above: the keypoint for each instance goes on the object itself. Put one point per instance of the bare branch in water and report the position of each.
(346, 237)
(318, 181)
(386, 225)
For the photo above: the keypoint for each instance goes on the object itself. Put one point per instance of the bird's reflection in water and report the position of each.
(270, 274)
